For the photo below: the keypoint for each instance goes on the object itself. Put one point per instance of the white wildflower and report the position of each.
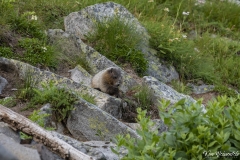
(34, 17)
(184, 36)
(200, 2)
(196, 50)
(185, 13)
(151, 1)
(166, 9)
(44, 49)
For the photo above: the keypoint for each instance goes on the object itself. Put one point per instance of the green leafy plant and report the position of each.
(119, 41)
(61, 99)
(192, 133)
(24, 136)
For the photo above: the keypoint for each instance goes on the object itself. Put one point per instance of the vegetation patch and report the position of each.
(192, 134)
(139, 97)
(118, 41)
(62, 100)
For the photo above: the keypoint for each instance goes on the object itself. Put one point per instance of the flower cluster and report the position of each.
(185, 13)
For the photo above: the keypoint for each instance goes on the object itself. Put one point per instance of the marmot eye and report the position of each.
(114, 77)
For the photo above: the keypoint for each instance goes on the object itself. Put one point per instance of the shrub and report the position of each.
(61, 100)
(192, 134)
(119, 41)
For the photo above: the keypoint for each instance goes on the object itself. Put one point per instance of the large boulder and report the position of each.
(163, 91)
(10, 149)
(89, 122)
(82, 23)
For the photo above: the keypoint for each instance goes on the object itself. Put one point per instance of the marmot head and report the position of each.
(115, 76)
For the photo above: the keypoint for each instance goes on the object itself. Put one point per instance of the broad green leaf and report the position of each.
(170, 139)
(212, 143)
(226, 136)
(237, 125)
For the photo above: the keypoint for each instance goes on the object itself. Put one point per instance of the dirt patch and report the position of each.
(127, 68)
(63, 70)
(205, 96)
(10, 90)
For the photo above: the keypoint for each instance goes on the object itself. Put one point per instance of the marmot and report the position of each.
(108, 81)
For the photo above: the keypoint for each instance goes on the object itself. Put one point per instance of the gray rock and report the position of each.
(105, 147)
(201, 88)
(94, 124)
(17, 150)
(159, 125)
(46, 154)
(163, 91)
(91, 151)
(3, 83)
(6, 154)
(80, 75)
(5, 129)
(159, 70)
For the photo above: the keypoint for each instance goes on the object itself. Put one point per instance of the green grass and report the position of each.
(199, 57)
(118, 40)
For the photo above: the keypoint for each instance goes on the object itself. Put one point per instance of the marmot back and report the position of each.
(108, 81)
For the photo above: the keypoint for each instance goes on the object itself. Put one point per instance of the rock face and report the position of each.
(163, 91)
(82, 23)
(80, 75)
(11, 149)
(105, 147)
(201, 88)
(3, 83)
(90, 122)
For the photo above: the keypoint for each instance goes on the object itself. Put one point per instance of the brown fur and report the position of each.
(108, 81)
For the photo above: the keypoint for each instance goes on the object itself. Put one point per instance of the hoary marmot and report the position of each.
(108, 81)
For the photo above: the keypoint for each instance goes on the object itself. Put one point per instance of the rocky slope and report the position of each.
(88, 120)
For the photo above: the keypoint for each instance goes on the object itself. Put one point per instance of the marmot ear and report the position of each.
(111, 70)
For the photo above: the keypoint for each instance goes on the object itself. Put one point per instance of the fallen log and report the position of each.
(41, 135)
